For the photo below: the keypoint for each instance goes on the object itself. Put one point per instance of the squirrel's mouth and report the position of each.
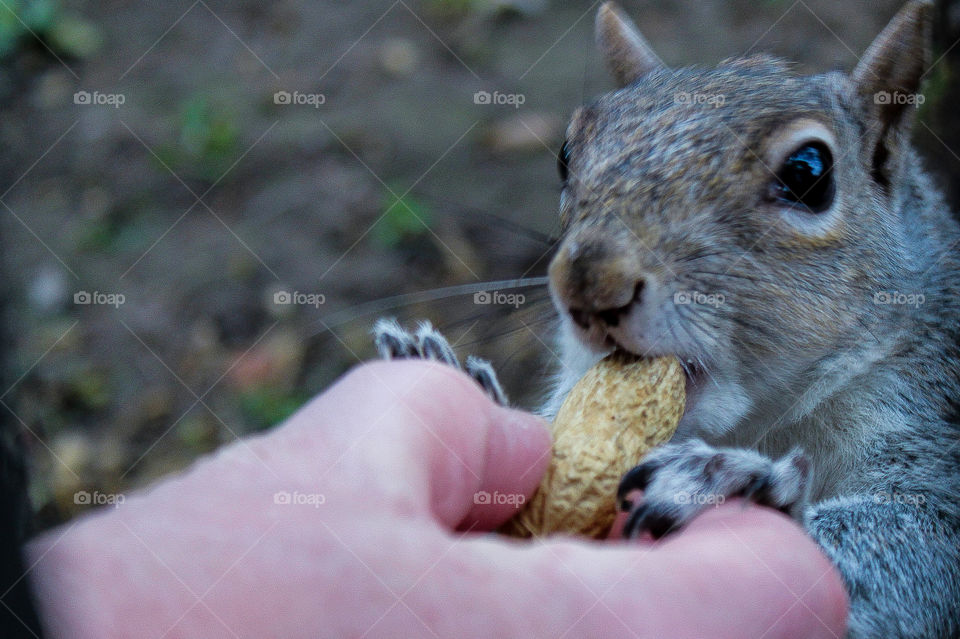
(693, 371)
(695, 374)
(607, 339)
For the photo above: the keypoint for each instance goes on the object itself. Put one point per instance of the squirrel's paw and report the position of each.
(680, 480)
(393, 342)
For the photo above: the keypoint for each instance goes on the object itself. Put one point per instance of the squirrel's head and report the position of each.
(742, 218)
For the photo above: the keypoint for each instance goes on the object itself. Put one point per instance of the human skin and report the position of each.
(381, 537)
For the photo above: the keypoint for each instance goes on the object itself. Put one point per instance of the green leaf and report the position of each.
(403, 218)
(38, 15)
(265, 407)
(75, 37)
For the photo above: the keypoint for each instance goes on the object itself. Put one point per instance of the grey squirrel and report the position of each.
(777, 234)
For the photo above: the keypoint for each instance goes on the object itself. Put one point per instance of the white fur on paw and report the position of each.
(392, 341)
(482, 371)
(431, 344)
(680, 480)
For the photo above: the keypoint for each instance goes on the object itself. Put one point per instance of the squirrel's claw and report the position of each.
(681, 480)
(393, 342)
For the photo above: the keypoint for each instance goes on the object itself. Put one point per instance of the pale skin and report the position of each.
(384, 540)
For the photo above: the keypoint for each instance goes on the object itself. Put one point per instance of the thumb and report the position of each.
(463, 457)
(518, 449)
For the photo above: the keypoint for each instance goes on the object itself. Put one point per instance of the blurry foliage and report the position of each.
(404, 218)
(453, 6)
(208, 140)
(65, 34)
(100, 235)
(263, 407)
(112, 233)
(485, 7)
(18, 19)
(938, 136)
(88, 390)
(197, 434)
(937, 83)
(935, 87)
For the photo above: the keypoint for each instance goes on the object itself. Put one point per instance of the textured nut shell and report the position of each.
(617, 412)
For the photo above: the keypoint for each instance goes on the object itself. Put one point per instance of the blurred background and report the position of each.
(205, 205)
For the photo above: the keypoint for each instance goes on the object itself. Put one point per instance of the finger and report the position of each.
(437, 439)
(734, 572)
(737, 552)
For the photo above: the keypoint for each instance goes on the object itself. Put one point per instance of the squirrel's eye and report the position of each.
(563, 162)
(806, 178)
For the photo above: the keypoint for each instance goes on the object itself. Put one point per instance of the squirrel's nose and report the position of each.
(584, 317)
(594, 283)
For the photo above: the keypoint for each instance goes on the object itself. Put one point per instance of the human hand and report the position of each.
(357, 517)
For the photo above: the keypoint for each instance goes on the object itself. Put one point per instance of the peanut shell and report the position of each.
(619, 410)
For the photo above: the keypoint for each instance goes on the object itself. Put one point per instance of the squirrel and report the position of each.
(779, 236)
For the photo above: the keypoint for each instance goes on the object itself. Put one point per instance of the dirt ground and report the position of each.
(174, 173)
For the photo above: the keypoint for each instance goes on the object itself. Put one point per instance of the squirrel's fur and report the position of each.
(836, 332)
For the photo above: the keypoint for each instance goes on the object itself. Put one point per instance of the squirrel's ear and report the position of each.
(898, 58)
(625, 51)
(888, 77)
